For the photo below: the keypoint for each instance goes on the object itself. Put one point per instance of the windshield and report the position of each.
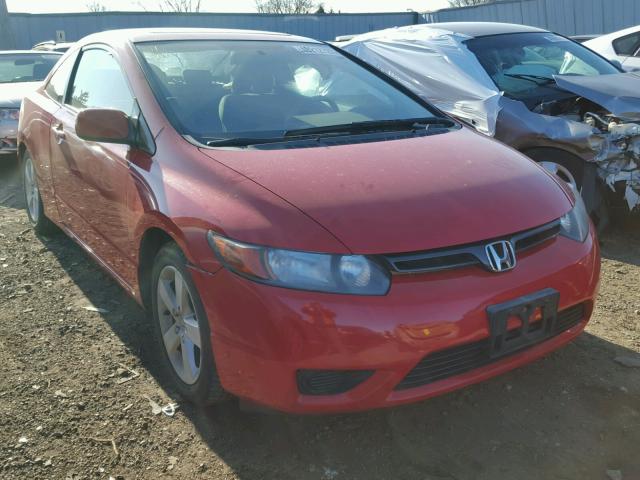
(26, 67)
(523, 63)
(214, 89)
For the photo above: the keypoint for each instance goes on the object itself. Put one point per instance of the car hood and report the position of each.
(619, 93)
(408, 195)
(11, 94)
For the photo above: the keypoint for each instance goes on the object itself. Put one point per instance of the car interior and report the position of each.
(254, 91)
(25, 68)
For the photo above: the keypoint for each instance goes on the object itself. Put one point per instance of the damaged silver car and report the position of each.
(544, 94)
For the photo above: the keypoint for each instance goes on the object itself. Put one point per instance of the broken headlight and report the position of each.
(575, 224)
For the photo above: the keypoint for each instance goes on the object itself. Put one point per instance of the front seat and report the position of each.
(253, 105)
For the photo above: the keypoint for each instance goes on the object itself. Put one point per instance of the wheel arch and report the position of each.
(155, 231)
(573, 162)
(529, 150)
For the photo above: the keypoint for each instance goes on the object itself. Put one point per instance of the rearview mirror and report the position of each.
(105, 125)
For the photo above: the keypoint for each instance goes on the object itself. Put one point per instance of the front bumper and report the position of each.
(263, 335)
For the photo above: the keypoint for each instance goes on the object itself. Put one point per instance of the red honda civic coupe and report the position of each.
(307, 233)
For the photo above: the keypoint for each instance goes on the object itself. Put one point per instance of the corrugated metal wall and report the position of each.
(569, 17)
(31, 29)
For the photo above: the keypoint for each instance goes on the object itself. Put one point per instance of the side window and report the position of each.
(628, 45)
(58, 82)
(100, 83)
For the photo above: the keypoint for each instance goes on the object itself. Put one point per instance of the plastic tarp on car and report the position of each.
(437, 65)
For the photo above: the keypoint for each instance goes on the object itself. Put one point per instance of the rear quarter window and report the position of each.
(58, 81)
(628, 45)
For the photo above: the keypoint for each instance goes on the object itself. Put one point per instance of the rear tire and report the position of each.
(182, 329)
(33, 201)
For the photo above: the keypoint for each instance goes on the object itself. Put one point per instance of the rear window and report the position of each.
(212, 89)
(628, 45)
(26, 67)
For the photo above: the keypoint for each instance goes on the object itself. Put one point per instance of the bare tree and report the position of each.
(96, 7)
(178, 6)
(182, 6)
(285, 6)
(467, 3)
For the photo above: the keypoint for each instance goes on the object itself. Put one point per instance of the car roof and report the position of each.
(483, 29)
(619, 33)
(52, 43)
(135, 35)
(28, 52)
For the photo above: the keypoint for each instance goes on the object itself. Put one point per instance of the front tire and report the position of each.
(33, 201)
(182, 329)
(566, 167)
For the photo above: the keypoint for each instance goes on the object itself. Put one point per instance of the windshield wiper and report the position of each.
(372, 126)
(340, 129)
(241, 141)
(537, 79)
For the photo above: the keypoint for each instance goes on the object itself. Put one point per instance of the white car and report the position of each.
(623, 46)
(21, 72)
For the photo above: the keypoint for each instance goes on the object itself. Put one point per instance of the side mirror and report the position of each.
(105, 125)
(617, 64)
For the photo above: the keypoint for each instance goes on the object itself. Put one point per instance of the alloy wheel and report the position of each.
(179, 325)
(561, 172)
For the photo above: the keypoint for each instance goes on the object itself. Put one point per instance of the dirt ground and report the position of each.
(65, 392)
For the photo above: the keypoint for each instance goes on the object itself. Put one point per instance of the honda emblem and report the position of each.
(501, 256)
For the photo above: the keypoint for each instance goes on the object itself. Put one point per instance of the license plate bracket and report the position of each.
(505, 341)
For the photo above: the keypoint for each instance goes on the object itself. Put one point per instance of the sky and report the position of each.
(53, 6)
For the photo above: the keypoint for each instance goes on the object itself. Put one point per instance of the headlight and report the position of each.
(575, 224)
(346, 274)
(9, 114)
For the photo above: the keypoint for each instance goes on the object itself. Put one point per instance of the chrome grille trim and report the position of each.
(467, 255)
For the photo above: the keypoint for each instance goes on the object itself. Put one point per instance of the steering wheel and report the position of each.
(328, 101)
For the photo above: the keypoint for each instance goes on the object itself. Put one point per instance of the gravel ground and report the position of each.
(75, 386)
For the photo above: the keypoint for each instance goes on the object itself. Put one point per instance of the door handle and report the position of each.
(58, 132)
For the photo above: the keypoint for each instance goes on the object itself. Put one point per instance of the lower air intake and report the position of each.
(463, 358)
(330, 382)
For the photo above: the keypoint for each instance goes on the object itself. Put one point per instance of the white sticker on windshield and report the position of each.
(315, 50)
(554, 38)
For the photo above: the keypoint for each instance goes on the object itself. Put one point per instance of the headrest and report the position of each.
(197, 77)
(40, 70)
(254, 76)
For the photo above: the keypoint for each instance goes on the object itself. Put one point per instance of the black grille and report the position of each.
(330, 382)
(467, 255)
(463, 358)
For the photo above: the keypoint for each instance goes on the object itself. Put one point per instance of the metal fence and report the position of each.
(29, 29)
(569, 17)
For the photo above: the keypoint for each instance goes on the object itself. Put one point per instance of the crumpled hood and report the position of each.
(408, 195)
(619, 93)
(11, 94)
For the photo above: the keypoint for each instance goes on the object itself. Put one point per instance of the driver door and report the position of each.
(91, 179)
